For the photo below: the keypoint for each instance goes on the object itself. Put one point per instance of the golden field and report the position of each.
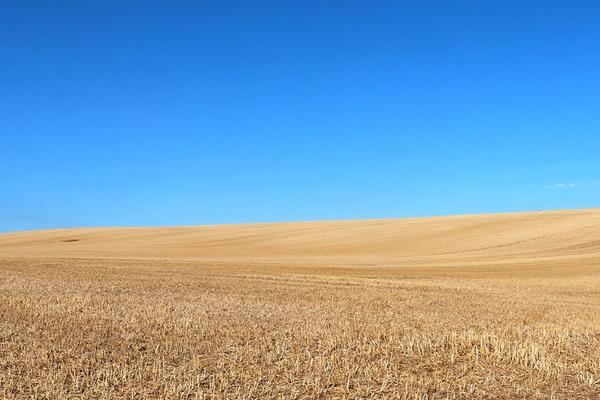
(503, 306)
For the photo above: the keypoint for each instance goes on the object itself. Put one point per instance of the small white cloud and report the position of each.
(572, 185)
(561, 186)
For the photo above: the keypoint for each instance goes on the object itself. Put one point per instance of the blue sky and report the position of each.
(181, 113)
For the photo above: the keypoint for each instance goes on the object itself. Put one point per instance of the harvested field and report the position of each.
(464, 307)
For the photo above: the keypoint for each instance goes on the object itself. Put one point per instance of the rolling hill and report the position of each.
(554, 235)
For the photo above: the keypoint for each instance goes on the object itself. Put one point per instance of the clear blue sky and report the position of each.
(179, 113)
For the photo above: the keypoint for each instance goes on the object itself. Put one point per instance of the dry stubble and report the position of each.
(497, 306)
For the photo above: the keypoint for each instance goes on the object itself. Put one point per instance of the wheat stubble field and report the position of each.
(462, 307)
